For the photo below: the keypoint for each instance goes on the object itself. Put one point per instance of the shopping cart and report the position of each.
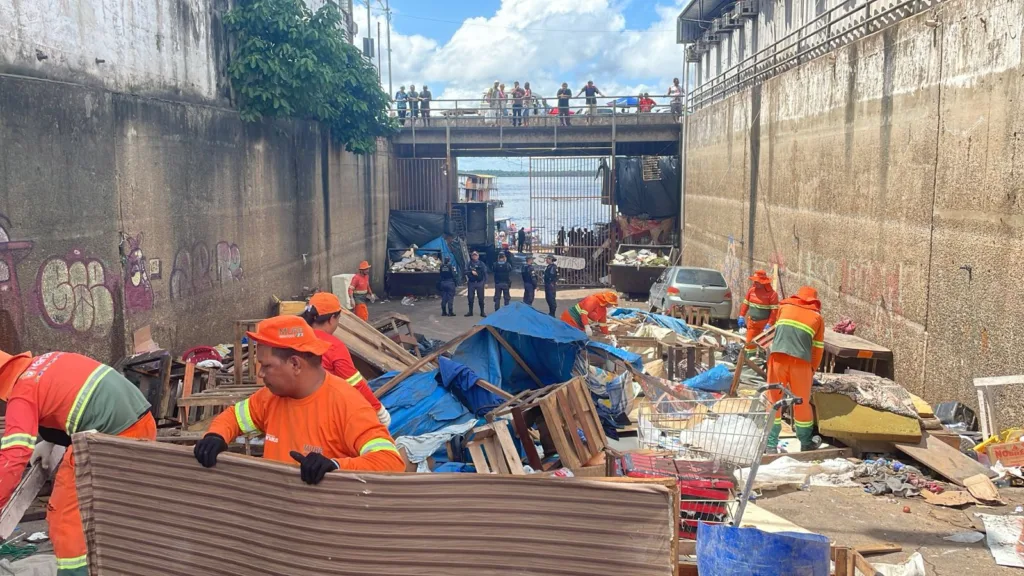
(701, 442)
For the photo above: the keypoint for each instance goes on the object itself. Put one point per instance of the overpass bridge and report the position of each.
(465, 131)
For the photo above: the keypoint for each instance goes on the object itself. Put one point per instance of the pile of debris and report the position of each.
(641, 258)
(411, 262)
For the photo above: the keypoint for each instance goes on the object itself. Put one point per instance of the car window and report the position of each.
(700, 277)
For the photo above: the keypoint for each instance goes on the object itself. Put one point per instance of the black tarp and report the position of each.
(647, 199)
(406, 228)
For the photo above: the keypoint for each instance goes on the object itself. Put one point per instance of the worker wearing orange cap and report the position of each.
(322, 314)
(51, 397)
(359, 291)
(308, 415)
(760, 309)
(797, 349)
(591, 311)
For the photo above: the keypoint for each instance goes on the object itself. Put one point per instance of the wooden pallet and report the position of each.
(493, 451)
(560, 413)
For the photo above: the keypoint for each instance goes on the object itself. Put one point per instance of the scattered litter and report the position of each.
(1005, 538)
(410, 262)
(786, 471)
(845, 326)
(729, 437)
(1018, 510)
(640, 258)
(408, 301)
(210, 364)
(914, 566)
(951, 498)
(38, 537)
(967, 537)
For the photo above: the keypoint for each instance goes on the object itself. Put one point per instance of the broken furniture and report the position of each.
(389, 325)
(692, 315)
(844, 351)
(540, 526)
(373, 353)
(243, 353)
(493, 451)
(151, 373)
(566, 420)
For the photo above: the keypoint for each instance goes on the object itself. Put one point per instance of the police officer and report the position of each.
(476, 276)
(447, 286)
(529, 281)
(550, 284)
(502, 281)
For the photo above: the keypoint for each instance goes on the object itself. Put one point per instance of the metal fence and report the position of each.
(479, 112)
(825, 33)
(422, 184)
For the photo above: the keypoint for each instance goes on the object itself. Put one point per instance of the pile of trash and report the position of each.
(410, 262)
(640, 258)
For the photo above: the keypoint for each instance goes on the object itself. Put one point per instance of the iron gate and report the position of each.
(571, 215)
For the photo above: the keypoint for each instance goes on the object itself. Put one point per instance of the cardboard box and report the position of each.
(1010, 453)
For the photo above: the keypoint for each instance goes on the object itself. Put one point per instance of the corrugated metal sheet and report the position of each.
(149, 508)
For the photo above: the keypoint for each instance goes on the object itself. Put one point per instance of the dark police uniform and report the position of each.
(550, 287)
(502, 282)
(447, 287)
(476, 275)
(529, 284)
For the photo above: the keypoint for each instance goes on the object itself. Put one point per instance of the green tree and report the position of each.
(291, 62)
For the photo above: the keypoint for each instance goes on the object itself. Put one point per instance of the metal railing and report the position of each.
(820, 36)
(478, 112)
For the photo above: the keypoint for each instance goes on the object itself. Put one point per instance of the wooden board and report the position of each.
(27, 490)
(850, 346)
(372, 347)
(943, 459)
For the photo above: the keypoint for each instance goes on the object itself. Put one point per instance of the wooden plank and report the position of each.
(494, 389)
(723, 333)
(998, 381)
(586, 413)
(736, 374)
(863, 565)
(476, 453)
(942, 458)
(523, 431)
(848, 345)
(186, 390)
(570, 424)
(422, 362)
(878, 549)
(508, 448)
(554, 424)
(213, 399)
(237, 354)
(27, 490)
(496, 455)
(515, 355)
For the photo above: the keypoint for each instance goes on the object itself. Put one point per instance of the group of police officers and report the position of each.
(476, 277)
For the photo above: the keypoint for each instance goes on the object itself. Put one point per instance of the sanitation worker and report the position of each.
(795, 355)
(591, 311)
(502, 281)
(447, 287)
(309, 416)
(760, 309)
(50, 397)
(360, 292)
(476, 277)
(322, 315)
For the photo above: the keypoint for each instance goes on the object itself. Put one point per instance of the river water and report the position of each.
(569, 201)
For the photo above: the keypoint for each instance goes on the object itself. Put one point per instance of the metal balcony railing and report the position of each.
(825, 33)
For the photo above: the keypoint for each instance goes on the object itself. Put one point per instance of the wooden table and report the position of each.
(847, 350)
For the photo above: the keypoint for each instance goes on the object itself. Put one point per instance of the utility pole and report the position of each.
(378, 52)
(387, 12)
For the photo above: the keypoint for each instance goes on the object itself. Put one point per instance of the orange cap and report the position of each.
(364, 265)
(7, 380)
(325, 303)
(289, 332)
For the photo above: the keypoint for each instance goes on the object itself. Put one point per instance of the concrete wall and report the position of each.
(887, 175)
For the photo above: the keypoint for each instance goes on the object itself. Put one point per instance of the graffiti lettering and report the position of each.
(12, 317)
(194, 270)
(138, 292)
(76, 293)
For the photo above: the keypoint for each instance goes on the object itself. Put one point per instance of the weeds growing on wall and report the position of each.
(291, 62)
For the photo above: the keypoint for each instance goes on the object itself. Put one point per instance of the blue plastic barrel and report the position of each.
(729, 551)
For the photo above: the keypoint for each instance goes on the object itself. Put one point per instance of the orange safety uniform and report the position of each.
(53, 396)
(592, 310)
(760, 307)
(359, 292)
(796, 354)
(338, 361)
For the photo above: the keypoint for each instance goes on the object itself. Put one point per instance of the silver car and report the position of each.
(696, 287)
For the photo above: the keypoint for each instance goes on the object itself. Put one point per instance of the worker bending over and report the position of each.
(322, 314)
(51, 397)
(796, 354)
(309, 416)
(360, 292)
(591, 311)
(760, 309)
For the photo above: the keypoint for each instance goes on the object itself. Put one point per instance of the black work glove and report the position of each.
(313, 466)
(206, 450)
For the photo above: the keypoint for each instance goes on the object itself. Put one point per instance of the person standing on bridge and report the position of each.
(476, 276)
(676, 93)
(491, 97)
(502, 102)
(414, 104)
(425, 98)
(401, 98)
(551, 285)
(517, 104)
(646, 104)
(563, 104)
(591, 93)
(528, 102)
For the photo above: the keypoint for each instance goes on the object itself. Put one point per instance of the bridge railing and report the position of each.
(479, 113)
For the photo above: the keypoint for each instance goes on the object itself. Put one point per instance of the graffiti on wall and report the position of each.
(138, 292)
(196, 270)
(76, 293)
(12, 315)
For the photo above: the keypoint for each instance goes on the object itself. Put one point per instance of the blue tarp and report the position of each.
(625, 355)
(428, 401)
(674, 324)
(439, 243)
(547, 345)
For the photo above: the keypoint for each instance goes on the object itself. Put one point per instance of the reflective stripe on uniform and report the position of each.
(83, 397)
(360, 292)
(376, 445)
(800, 424)
(797, 325)
(26, 440)
(72, 563)
(761, 306)
(818, 343)
(354, 379)
(244, 418)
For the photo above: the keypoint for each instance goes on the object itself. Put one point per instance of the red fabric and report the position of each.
(646, 104)
(338, 361)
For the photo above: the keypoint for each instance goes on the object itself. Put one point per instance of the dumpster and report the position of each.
(637, 266)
